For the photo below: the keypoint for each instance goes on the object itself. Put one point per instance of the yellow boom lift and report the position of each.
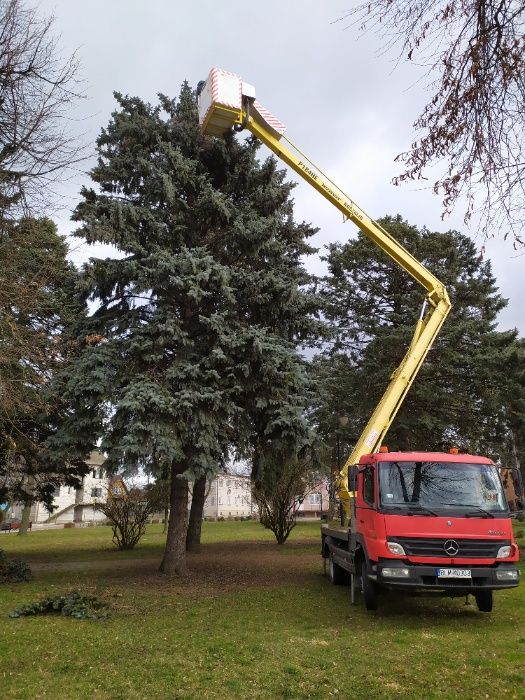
(225, 101)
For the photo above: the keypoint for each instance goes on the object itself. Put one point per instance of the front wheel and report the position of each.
(484, 600)
(368, 589)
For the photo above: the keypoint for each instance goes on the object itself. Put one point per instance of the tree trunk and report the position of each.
(332, 504)
(166, 516)
(193, 537)
(24, 522)
(174, 559)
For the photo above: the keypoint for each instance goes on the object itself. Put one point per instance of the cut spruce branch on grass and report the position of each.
(73, 604)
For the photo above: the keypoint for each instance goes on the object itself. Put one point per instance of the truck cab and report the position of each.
(425, 521)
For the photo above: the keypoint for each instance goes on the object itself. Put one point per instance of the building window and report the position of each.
(94, 473)
(314, 499)
(56, 492)
(220, 500)
(96, 493)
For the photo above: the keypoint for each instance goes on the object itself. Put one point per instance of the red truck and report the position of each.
(426, 522)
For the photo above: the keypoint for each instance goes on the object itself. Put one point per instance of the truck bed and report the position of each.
(340, 533)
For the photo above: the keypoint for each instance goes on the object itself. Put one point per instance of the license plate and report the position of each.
(453, 573)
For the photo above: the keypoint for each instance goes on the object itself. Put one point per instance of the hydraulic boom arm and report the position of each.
(225, 101)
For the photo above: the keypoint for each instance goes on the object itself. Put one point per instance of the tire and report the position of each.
(484, 600)
(368, 589)
(336, 573)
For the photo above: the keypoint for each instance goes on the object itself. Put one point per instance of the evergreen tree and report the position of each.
(37, 304)
(203, 307)
(514, 388)
(461, 395)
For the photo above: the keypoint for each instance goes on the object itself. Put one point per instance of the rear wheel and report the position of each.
(337, 574)
(368, 589)
(484, 600)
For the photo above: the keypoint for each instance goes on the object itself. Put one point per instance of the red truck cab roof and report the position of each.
(424, 457)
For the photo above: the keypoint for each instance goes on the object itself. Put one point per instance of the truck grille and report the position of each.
(435, 547)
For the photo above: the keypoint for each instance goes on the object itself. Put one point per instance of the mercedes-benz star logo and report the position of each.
(451, 548)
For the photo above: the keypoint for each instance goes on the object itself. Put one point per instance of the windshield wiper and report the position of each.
(410, 507)
(479, 509)
(423, 509)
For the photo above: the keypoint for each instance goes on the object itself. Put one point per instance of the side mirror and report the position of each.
(352, 477)
(513, 487)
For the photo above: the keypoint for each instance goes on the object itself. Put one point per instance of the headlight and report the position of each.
(395, 548)
(395, 572)
(507, 574)
(504, 552)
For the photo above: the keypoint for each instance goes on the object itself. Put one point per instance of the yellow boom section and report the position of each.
(437, 304)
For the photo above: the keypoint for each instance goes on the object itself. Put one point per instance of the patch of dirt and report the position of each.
(214, 569)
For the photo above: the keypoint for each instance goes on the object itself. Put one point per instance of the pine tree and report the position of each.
(461, 395)
(203, 305)
(37, 305)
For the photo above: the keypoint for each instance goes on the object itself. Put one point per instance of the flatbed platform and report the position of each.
(340, 533)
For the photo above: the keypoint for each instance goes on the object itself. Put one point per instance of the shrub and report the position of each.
(68, 525)
(73, 604)
(14, 570)
(128, 515)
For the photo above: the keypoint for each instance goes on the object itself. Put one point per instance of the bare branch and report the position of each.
(475, 117)
(37, 90)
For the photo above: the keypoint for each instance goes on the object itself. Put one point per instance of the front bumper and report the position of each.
(424, 577)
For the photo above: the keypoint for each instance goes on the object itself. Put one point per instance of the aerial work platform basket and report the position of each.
(223, 96)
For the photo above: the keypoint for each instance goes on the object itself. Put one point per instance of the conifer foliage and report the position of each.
(470, 386)
(198, 319)
(37, 305)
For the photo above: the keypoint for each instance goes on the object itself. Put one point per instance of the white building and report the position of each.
(315, 503)
(70, 504)
(229, 496)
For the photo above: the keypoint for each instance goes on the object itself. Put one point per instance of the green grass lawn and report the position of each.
(253, 620)
(95, 543)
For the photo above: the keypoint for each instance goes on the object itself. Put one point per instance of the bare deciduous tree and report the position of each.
(278, 498)
(128, 515)
(474, 121)
(37, 90)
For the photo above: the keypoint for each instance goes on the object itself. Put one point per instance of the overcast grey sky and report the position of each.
(342, 101)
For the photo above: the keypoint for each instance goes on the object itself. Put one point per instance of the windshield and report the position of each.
(442, 485)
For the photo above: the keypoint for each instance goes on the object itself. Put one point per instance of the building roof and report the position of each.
(96, 459)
